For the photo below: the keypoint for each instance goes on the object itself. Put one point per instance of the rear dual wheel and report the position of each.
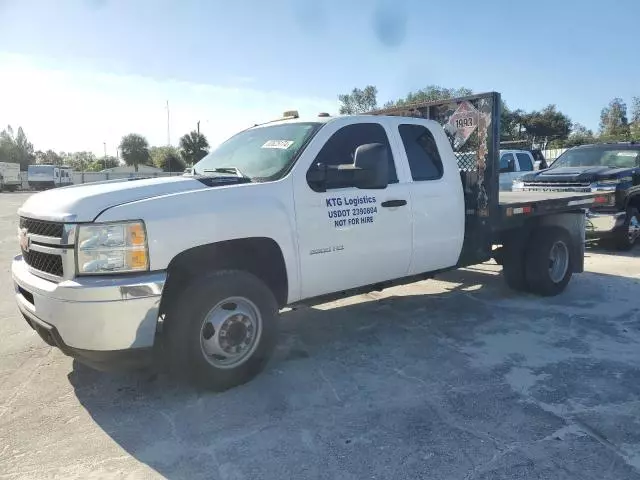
(543, 265)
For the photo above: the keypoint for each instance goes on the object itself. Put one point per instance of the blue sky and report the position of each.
(77, 73)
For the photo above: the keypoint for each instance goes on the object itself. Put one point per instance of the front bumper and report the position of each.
(603, 224)
(103, 315)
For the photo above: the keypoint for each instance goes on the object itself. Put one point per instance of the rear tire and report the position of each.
(548, 262)
(221, 330)
(627, 236)
(513, 267)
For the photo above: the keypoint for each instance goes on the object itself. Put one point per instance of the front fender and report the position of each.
(181, 221)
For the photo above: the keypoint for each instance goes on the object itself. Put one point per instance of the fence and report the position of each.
(553, 153)
(89, 177)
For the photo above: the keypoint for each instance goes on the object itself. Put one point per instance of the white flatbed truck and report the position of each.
(291, 212)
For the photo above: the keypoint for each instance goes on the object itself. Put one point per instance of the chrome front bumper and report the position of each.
(598, 223)
(92, 313)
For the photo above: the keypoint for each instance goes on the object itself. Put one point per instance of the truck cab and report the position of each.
(513, 165)
(42, 177)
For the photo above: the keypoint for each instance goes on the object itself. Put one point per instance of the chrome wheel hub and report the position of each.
(634, 229)
(558, 261)
(230, 332)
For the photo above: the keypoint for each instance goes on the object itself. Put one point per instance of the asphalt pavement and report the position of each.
(452, 378)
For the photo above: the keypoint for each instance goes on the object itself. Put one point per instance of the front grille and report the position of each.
(41, 227)
(557, 187)
(44, 262)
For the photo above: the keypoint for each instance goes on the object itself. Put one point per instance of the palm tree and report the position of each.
(193, 147)
(135, 150)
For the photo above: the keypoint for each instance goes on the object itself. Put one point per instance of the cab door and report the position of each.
(350, 237)
(437, 200)
(508, 171)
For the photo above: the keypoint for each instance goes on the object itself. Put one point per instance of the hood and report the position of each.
(575, 174)
(83, 203)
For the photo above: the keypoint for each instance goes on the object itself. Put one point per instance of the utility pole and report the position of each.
(198, 127)
(105, 154)
(168, 128)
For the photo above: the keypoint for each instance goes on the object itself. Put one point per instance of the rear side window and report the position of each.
(525, 162)
(422, 152)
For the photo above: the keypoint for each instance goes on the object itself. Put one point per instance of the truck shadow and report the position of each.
(332, 361)
(595, 247)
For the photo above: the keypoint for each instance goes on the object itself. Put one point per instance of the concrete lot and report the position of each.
(454, 378)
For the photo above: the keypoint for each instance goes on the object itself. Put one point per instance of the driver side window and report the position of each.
(340, 150)
(507, 163)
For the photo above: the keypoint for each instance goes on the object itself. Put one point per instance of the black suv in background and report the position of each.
(600, 167)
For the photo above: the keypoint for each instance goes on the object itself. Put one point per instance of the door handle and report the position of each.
(394, 203)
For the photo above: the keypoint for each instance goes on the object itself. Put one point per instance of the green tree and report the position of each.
(167, 158)
(193, 147)
(580, 135)
(511, 124)
(102, 163)
(546, 125)
(431, 93)
(358, 101)
(16, 148)
(135, 150)
(48, 158)
(80, 161)
(614, 124)
(635, 118)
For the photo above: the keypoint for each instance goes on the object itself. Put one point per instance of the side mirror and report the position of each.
(371, 166)
(317, 177)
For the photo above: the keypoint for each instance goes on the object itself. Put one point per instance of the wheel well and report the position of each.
(634, 201)
(260, 256)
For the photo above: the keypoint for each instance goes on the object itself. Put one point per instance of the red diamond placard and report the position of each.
(464, 121)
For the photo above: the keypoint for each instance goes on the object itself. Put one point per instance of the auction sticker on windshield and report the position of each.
(281, 144)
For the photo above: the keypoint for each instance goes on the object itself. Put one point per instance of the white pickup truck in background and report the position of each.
(289, 212)
(513, 165)
(10, 176)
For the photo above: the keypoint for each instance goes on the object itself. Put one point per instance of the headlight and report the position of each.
(112, 248)
(517, 185)
(605, 185)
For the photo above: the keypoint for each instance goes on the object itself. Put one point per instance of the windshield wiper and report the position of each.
(234, 170)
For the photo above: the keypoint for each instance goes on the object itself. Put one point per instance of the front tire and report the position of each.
(548, 263)
(626, 237)
(221, 330)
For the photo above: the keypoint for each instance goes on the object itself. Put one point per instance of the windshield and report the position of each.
(598, 157)
(261, 154)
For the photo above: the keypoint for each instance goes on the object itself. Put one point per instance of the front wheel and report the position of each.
(627, 235)
(221, 331)
(548, 263)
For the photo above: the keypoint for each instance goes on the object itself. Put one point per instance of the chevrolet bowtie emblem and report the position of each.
(24, 239)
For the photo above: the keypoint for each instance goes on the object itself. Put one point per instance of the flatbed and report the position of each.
(542, 203)
(516, 208)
